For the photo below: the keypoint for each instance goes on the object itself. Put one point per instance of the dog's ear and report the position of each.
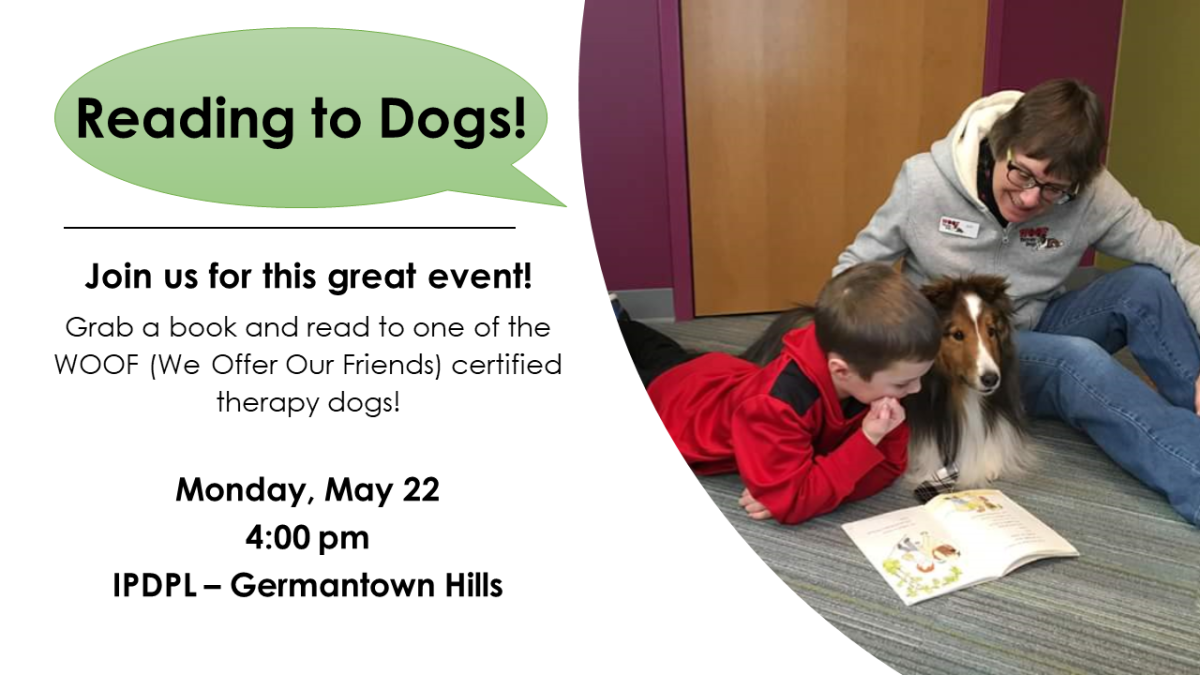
(941, 293)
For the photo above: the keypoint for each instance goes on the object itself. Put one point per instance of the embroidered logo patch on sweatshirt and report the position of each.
(1038, 238)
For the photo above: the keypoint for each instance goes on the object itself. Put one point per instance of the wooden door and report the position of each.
(799, 114)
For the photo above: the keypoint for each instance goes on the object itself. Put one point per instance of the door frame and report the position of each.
(679, 220)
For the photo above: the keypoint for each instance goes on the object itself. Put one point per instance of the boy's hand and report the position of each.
(753, 507)
(885, 414)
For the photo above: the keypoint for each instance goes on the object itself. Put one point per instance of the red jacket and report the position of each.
(781, 427)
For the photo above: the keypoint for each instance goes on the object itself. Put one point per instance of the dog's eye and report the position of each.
(991, 331)
(958, 335)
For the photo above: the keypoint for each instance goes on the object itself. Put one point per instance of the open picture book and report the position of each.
(954, 541)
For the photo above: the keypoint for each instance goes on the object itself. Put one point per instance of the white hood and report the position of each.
(972, 127)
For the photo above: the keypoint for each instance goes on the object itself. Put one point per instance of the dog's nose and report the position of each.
(990, 380)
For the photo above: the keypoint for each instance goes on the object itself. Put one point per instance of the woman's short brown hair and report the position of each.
(873, 317)
(1060, 121)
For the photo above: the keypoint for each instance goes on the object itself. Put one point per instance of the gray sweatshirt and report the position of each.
(936, 222)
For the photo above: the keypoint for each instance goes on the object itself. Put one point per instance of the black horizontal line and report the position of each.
(212, 587)
(288, 227)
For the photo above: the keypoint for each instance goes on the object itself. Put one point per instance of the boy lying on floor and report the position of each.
(819, 425)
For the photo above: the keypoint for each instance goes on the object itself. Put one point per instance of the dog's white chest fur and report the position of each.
(984, 454)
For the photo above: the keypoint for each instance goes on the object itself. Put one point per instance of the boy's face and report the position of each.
(896, 381)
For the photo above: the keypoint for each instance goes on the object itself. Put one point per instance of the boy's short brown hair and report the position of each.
(1058, 120)
(873, 317)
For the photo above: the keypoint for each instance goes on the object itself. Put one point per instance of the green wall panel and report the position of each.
(1155, 133)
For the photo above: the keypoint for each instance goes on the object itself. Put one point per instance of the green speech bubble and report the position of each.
(457, 121)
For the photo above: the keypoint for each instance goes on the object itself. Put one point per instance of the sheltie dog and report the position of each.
(968, 412)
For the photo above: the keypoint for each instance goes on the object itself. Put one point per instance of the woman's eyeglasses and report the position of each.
(1050, 193)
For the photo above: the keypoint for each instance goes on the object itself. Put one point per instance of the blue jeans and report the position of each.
(1067, 372)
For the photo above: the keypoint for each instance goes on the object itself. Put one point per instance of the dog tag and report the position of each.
(958, 228)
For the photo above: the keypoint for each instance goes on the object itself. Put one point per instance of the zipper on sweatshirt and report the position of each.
(1003, 237)
(996, 266)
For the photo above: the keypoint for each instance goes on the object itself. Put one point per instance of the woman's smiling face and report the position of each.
(1018, 204)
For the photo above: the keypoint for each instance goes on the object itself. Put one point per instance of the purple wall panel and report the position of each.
(622, 136)
(1029, 41)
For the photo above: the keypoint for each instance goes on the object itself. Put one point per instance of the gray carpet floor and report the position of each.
(1129, 604)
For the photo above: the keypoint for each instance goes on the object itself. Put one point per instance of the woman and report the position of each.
(1018, 189)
